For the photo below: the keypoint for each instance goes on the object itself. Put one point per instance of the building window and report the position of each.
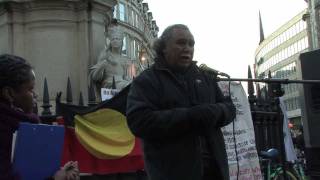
(124, 51)
(129, 16)
(134, 44)
(137, 20)
(122, 12)
(138, 49)
(115, 12)
(133, 18)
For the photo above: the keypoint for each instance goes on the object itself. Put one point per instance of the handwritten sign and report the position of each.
(239, 137)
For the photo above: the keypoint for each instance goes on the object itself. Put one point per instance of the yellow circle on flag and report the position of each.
(104, 133)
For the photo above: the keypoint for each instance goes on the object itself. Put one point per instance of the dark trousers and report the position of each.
(210, 170)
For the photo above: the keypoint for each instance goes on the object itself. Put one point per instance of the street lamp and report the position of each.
(143, 59)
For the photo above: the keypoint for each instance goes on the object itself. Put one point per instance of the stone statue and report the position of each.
(111, 64)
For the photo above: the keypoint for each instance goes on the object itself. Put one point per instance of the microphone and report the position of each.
(207, 69)
(212, 71)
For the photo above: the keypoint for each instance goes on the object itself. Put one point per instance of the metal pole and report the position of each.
(268, 80)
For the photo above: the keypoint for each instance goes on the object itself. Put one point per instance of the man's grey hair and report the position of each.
(160, 43)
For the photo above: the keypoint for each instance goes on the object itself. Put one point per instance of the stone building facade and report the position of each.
(63, 38)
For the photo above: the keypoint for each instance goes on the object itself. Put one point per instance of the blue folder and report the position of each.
(38, 150)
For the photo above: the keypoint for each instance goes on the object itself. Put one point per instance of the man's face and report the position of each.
(178, 51)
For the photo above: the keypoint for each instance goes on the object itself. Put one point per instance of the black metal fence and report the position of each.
(267, 116)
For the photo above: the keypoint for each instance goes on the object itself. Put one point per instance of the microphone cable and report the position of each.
(233, 126)
(215, 73)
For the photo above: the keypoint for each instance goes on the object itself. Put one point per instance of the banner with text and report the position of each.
(239, 137)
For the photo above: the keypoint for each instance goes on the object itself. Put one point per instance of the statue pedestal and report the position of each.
(60, 39)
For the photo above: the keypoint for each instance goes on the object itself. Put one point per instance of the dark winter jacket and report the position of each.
(170, 112)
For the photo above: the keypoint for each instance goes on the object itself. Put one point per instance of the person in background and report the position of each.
(17, 99)
(299, 141)
(177, 109)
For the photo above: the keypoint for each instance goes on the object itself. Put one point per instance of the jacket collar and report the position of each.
(160, 64)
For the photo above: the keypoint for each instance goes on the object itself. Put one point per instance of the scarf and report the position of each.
(9, 123)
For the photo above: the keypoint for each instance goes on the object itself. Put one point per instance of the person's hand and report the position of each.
(229, 111)
(72, 170)
(205, 115)
(69, 171)
(60, 175)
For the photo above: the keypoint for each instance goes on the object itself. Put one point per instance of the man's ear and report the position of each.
(7, 94)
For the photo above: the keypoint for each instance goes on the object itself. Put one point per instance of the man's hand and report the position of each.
(205, 115)
(229, 111)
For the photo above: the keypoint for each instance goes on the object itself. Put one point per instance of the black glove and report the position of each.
(205, 115)
(229, 111)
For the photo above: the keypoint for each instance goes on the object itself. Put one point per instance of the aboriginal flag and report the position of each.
(98, 137)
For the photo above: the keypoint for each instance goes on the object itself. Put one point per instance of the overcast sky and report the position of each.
(226, 32)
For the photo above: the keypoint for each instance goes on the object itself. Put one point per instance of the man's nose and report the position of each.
(188, 48)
